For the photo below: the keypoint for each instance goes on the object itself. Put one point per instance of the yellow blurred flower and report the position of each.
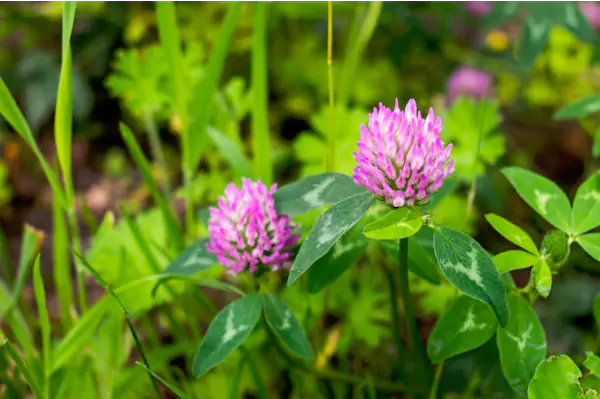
(175, 124)
(330, 347)
(137, 28)
(497, 40)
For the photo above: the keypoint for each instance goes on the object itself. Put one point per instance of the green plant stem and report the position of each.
(413, 331)
(436, 381)
(76, 241)
(260, 386)
(391, 277)
(330, 167)
(405, 292)
(472, 385)
(140, 349)
(158, 152)
(188, 178)
(234, 387)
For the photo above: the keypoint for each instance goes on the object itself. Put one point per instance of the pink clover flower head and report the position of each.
(401, 158)
(478, 8)
(469, 82)
(246, 232)
(591, 11)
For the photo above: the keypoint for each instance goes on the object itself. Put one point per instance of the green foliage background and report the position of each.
(121, 73)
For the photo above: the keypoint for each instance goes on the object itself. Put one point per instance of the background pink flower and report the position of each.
(469, 82)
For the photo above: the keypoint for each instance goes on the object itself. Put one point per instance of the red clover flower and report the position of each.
(246, 232)
(469, 82)
(401, 157)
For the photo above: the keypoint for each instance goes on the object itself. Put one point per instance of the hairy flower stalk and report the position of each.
(246, 232)
(401, 158)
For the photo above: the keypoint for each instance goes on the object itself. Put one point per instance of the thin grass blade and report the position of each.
(45, 328)
(63, 119)
(150, 257)
(12, 353)
(78, 337)
(5, 258)
(261, 141)
(218, 285)
(172, 388)
(30, 248)
(143, 165)
(231, 152)
(170, 41)
(203, 97)
(61, 266)
(11, 112)
(168, 32)
(361, 32)
(12, 317)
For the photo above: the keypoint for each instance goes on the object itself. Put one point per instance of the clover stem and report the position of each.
(414, 338)
(158, 152)
(436, 382)
(395, 319)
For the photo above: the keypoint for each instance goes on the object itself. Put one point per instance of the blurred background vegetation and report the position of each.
(380, 52)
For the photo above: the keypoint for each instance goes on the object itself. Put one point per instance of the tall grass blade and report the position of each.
(170, 41)
(12, 317)
(5, 265)
(261, 141)
(231, 152)
(361, 32)
(61, 264)
(11, 112)
(172, 388)
(63, 119)
(202, 99)
(150, 257)
(30, 247)
(45, 328)
(110, 291)
(12, 353)
(141, 242)
(143, 165)
(79, 336)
